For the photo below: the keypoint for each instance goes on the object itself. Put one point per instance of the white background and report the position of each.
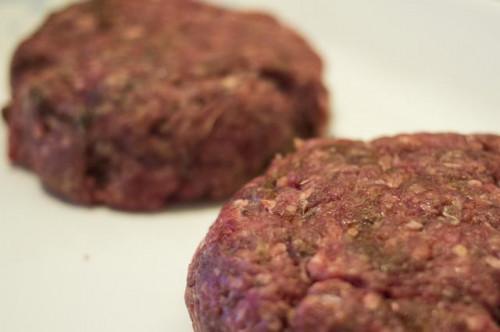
(393, 66)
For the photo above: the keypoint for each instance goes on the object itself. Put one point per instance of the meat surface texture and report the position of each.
(397, 234)
(135, 104)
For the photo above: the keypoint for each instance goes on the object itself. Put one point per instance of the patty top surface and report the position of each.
(398, 234)
(133, 103)
(139, 52)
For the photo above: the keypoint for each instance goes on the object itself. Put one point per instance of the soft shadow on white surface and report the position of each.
(68, 268)
(393, 66)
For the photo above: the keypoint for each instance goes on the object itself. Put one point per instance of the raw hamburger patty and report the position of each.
(398, 234)
(136, 103)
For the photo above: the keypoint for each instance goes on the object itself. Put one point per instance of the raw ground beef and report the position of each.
(397, 234)
(135, 104)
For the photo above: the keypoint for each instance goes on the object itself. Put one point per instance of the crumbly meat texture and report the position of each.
(137, 103)
(398, 234)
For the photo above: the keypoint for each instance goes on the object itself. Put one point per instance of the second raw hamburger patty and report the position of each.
(137, 103)
(398, 234)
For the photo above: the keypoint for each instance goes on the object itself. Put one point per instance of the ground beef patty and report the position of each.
(397, 234)
(135, 103)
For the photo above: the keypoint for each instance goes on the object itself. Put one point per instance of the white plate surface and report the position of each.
(393, 66)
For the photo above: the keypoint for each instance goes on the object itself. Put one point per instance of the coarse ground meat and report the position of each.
(135, 104)
(397, 234)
